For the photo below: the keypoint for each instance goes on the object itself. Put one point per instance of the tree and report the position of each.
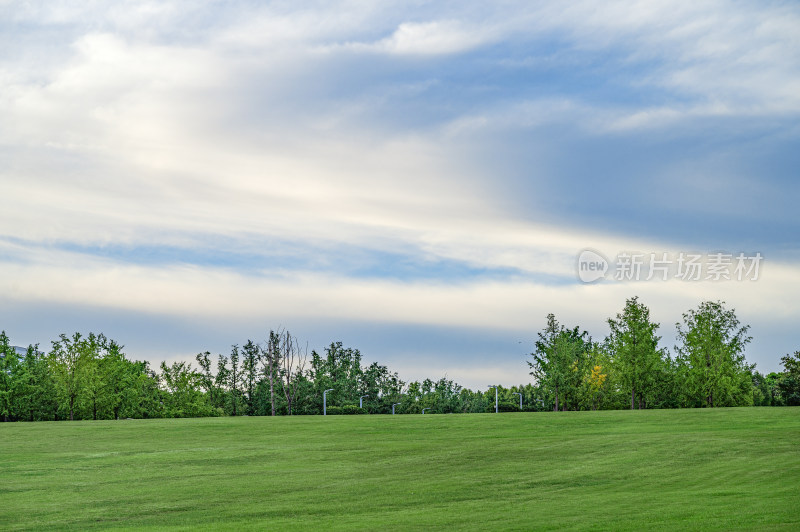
(711, 357)
(293, 360)
(147, 398)
(9, 375)
(634, 346)
(560, 362)
(596, 383)
(762, 394)
(382, 386)
(789, 383)
(183, 397)
(235, 380)
(272, 361)
(92, 380)
(35, 393)
(68, 360)
(207, 378)
(251, 356)
(340, 370)
(441, 396)
(221, 380)
(119, 379)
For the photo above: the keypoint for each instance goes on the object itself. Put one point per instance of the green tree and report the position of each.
(251, 356)
(272, 363)
(221, 380)
(68, 360)
(789, 383)
(442, 396)
(207, 378)
(9, 376)
(147, 400)
(634, 346)
(234, 382)
(340, 370)
(711, 357)
(183, 397)
(35, 395)
(762, 395)
(120, 378)
(560, 363)
(92, 379)
(383, 386)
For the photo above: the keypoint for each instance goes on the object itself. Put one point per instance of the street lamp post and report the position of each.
(361, 401)
(496, 410)
(520, 399)
(325, 401)
(394, 405)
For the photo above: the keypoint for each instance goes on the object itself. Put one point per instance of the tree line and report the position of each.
(628, 368)
(90, 377)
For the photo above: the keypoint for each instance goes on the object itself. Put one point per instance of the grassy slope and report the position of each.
(697, 469)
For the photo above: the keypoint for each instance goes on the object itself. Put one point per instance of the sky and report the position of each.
(416, 179)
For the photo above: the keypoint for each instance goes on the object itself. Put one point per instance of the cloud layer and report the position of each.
(436, 166)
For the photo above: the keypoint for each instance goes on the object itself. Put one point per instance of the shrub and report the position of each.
(352, 410)
(504, 406)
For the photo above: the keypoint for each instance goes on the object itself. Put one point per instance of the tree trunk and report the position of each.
(633, 398)
(271, 386)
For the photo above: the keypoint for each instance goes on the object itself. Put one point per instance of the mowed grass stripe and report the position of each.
(722, 469)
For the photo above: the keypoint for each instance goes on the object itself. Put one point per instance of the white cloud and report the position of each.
(510, 308)
(441, 37)
(50, 276)
(169, 124)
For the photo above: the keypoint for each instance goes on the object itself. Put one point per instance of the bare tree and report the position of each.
(293, 362)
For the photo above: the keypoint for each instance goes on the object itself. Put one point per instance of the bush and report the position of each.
(504, 406)
(352, 410)
(346, 410)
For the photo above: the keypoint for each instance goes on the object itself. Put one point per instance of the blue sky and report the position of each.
(414, 179)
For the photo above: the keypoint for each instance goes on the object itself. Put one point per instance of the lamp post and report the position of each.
(520, 399)
(394, 405)
(496, 410)
(361, 401)
(325, 401)
(424, 409)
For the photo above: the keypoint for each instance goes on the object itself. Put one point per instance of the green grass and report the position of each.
(724, 469)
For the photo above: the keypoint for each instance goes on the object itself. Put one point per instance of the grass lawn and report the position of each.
(724, 469)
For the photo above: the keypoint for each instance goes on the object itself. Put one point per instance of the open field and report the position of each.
(720, 469)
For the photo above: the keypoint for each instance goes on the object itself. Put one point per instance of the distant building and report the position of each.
(20, 351)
